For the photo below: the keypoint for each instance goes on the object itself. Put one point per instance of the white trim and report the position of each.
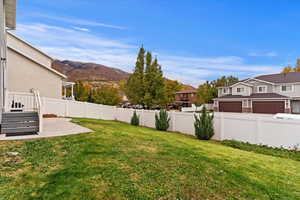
(27, 43)
(255, 79)
(241, 83)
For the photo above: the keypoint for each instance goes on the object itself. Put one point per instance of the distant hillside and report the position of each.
(89, 71)
(96, 74)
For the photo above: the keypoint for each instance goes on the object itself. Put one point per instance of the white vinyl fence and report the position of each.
(252, 128)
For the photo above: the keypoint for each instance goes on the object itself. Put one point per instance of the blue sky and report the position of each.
(194, 40)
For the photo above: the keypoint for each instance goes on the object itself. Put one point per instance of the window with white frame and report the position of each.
(262, 89)
(239, 90)
(225, 90)
(286, 88)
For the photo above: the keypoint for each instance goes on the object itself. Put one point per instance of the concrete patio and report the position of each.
(52, 127)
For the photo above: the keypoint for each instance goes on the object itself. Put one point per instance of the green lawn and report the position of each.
(119, 161)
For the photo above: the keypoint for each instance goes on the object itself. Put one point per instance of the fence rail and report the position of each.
(246, 127)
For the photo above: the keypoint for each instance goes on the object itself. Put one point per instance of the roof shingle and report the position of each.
(290, 77)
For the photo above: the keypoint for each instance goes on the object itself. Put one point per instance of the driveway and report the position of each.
(52, 127)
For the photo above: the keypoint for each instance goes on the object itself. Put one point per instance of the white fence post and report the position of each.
(66, 108)
(222, 127)
(258, 130)
(85, 109)
(142, 118)
(173, 118)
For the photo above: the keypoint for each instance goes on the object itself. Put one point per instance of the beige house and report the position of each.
(25, 76)
(29, 68)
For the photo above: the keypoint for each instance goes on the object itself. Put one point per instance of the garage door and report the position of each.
(230, 106)
(268, 107)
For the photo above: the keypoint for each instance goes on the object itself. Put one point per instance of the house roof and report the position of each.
(290, 77)
(186, 91)
(255, 96)
(10, 13)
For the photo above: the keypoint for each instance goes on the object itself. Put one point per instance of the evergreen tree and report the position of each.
(146, 85)
(204, 125)
(135, 85)
(135, 120)
(162, 120)
(154, 83)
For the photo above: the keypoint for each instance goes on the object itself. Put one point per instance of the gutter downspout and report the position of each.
(3, 48)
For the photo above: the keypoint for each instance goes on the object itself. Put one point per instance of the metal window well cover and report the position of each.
(287, 116)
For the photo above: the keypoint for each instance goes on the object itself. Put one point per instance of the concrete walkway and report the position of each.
(52, 127)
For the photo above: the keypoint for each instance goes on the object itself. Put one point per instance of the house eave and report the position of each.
(10, 7)
(42, 65)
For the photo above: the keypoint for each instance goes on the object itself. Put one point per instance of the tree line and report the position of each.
(106, 95)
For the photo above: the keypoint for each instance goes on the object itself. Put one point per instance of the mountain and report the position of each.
(89, 71)
(96, 74)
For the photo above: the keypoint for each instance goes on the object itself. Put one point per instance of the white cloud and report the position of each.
(74, 44)
(80, 21)
(263, 54)
(81, 29)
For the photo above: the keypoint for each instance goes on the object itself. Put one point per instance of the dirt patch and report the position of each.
(49, 116)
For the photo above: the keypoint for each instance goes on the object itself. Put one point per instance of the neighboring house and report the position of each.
(28, 68)
(185, 98)
(269, 94)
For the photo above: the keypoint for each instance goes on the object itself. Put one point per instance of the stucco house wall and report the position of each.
(29, 68)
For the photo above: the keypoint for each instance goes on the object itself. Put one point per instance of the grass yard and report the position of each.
(119, 161)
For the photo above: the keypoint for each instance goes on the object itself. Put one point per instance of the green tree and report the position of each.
(171, 87)
(153, 83)
(204, 126)
(135, 120)
(106, 96)
(206, 93)
(81, 91)
(134, 87)
(162, 120)
(209, 90)
(145, 85)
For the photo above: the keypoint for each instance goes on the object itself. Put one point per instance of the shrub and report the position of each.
(204, 128)
(162, 120)
(135, 120)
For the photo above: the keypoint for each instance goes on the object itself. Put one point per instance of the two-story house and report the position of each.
(185, 98)
(270, 94)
